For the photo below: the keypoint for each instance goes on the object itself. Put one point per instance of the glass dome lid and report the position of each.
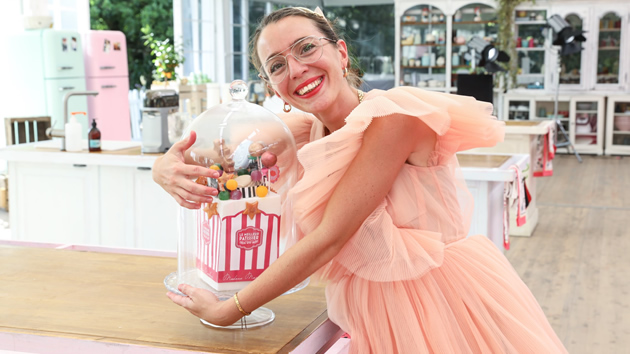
(230, 241)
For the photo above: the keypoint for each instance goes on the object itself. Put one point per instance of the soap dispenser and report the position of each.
(73, 134)
(94, 138)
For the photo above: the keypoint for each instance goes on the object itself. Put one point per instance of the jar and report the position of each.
(230, 241)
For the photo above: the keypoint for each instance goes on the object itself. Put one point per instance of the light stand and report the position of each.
(568, 41)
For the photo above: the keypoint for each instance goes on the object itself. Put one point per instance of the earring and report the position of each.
(286, 108)
(345, 72)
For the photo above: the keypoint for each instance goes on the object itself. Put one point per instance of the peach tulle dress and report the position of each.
(409, 281)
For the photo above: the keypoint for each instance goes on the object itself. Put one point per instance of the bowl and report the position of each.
(622, 123)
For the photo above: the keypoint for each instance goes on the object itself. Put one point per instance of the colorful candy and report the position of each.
(268, 159)
(256, 149)
(256, 176)
(243, 181)
(225, 195)
(231, 184)
(261, 191)
(216, 167)
(236, 195)
(242, 171)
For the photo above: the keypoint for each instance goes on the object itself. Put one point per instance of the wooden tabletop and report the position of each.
(482, 160)
(120, 298)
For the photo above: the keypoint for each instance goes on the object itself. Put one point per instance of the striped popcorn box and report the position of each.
(238, 242)
(248, 192)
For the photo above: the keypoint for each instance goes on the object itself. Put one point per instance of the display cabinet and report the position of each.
(618, 125)
(612, 62)
(469, 21)
(423, 47)
(531, 44)
(582, 116)
(586, 124)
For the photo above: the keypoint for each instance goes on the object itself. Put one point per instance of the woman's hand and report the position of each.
(205, 305)
(177, 177)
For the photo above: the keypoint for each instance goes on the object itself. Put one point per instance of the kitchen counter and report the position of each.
(66, 301)
(106, 198)
(115, 153)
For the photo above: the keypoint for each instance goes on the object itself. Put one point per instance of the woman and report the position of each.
(382, 206)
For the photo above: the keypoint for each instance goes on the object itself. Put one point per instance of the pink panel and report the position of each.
(110, 107)
(105, 54)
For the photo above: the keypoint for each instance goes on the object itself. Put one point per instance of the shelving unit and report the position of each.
(618, 125)
(530, 47)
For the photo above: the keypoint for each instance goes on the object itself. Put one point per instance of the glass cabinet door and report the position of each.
(585, 130)
(530, 48)
(571, 65)
(621, 123)
(469, 21)
(423, 47)
(608, 49)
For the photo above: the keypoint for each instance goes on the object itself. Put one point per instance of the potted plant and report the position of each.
(166, 57)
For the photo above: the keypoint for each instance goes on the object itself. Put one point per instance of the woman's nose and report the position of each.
(296, 68)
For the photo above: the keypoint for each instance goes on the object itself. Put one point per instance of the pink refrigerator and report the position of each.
(106, 71)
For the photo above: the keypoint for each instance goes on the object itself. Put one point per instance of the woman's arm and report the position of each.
(387, 143)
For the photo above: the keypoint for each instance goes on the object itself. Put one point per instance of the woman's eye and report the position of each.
(275, 67)
(307, 48)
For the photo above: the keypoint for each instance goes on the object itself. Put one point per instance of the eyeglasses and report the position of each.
(307, 50)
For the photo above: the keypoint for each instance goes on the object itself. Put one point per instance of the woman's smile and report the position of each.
(309, 87)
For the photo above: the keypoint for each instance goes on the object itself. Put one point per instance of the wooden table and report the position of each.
(70, 301)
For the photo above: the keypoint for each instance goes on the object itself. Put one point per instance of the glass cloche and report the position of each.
(229, 242)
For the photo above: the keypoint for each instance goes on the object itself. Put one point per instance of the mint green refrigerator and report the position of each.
(42, 66)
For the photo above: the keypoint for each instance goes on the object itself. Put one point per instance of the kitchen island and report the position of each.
(106, 198)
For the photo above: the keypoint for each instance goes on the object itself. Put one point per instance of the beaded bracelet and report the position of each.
(238, 304)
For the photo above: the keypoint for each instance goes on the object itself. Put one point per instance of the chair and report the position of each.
(26, 129)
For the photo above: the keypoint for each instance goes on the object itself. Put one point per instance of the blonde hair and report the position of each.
(325, 26)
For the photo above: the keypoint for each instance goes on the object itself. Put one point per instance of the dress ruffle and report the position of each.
(380, 250)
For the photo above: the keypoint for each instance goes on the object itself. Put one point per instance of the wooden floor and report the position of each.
(577, 262)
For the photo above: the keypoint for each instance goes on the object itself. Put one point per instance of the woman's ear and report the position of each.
(343, 50)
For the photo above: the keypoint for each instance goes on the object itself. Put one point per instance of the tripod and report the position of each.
(567, 143)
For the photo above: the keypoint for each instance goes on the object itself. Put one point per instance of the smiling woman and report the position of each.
(381, 208)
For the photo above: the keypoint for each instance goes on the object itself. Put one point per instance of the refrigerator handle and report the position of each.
(108, 86)
(66, 68)
(66, 88)
(107, 67)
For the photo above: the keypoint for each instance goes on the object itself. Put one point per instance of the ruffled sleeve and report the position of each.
(381, 250)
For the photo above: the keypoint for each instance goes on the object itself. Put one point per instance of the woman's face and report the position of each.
(324, 75)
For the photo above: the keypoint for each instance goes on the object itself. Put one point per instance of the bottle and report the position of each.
(94, 138)
(73, 134)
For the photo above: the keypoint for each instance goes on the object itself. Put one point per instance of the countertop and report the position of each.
(114, 153)
(117, 302)
(528, 127)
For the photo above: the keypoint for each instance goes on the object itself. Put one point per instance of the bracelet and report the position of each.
(238, 304)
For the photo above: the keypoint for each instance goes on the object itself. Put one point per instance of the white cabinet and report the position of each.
(618, 125)
(586, 124)
(112, 206)
(54, 202)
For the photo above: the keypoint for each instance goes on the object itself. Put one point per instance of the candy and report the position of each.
(202, 180)
(220, 172)
(242, 171)
(261, 191)
(274, 173)
(216, 167)
(225, 195)
(243, 181)
(236, 195)
(231, 184)
(256, 149)
(268, 159)
(256, 175)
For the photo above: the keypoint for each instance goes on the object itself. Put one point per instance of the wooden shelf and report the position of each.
(422, 23)
(621, 132)
(423, 45)
(621, 114)
(531, 49)
(610, 29)
(423, 67)
(473, 22)
(608, 48)
(585, 111)
(530, 22)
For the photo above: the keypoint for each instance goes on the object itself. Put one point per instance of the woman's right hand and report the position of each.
(177, 177)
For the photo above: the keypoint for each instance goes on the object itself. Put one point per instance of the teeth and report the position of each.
(308, 88)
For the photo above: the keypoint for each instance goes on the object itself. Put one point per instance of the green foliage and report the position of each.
(166, 58)
(129, 17)
(505, 38)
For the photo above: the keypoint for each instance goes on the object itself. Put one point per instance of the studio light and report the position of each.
(488, 54)
(565, 36)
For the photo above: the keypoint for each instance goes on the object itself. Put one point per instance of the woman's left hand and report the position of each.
(205, 305)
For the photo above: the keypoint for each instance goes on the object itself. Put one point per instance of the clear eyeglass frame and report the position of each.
(314, 51)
